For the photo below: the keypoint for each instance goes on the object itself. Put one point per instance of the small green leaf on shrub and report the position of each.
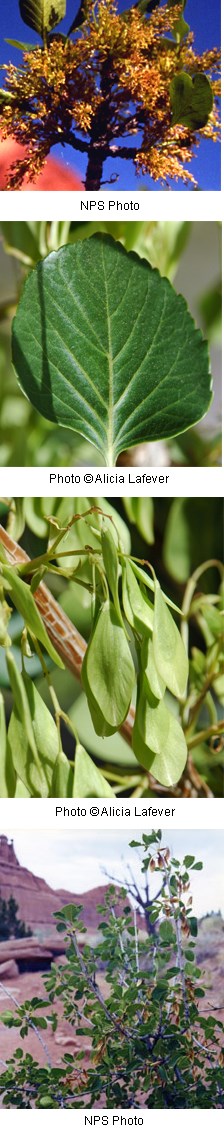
(46, 1102)
(193, 926)
(167, 932)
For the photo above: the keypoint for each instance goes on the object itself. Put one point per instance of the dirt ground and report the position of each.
(23, 989)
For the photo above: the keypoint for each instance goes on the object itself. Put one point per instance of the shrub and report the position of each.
(151, 1046)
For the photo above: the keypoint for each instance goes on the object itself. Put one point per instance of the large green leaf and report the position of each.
(191, 100)
(103, 345)
(42, 15)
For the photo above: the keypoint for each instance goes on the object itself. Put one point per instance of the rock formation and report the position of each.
(36, 901)
(55, 175)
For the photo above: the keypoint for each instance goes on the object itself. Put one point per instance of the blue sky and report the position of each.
(204, 19)
(76, 860)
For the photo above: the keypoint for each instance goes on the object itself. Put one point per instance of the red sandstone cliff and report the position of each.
(55, 175)
(36, 900)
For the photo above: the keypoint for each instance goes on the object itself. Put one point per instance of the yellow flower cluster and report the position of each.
(114, 78)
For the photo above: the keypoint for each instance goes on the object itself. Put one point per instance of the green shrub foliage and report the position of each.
(151, 1044)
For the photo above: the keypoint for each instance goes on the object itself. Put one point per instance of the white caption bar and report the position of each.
(109, 205)
(161, 481)
(105, 1123)
(57, 814)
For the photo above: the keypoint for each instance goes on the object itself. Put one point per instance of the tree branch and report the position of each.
(77, 144)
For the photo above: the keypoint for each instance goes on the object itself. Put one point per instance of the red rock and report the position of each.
(55, 175)
(37, 902)
(9, 969)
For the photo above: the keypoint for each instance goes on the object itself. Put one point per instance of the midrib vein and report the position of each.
(110, 365)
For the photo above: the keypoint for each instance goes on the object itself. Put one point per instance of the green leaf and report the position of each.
(109, 667)
(88, 780)
(46, 1102)
(191, 100)
(42, 15)
(24, 602)
(7, 1018)
(22, 239)
(140, 511)
(121, 361)
(69, 912)
(62, 778)
(5, 97)
(188, 860)
(192, 922)
(197, 867)
(169, 650)
(19, 45)
(167, 932)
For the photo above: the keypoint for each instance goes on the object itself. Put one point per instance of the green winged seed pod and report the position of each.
(169, 650)
(109, 667)
(152, 718)
(153, 680)
(101, 726)
(137, 607)
(167, 764)
(24, 601)
(111, 563)
(88, 780)
(32, 735)
(62, 779)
